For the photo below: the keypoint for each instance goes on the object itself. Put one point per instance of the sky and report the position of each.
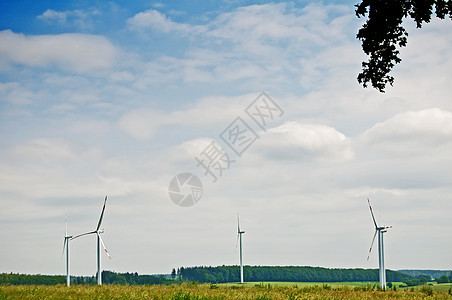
(118, 98)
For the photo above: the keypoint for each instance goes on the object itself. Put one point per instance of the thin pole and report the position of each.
(68, 277)
(380, 272)
(241, 263)
(383, 275)
(99, 273)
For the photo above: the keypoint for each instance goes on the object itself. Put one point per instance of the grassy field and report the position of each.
(211, 291)
(374, 284)
(442, 287)
(304, 284)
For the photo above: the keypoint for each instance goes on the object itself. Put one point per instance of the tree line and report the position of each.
(423, 279)
(22, 279)
(108, 277)
(432, 273)
(222, 274)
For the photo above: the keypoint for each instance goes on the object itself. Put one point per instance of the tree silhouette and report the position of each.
(382, 34)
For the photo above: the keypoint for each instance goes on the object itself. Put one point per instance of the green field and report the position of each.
(215, 291)
(304, 284)
(444, 287)
(364, 285)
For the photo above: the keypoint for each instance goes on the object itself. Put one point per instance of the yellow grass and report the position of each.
(206, 291)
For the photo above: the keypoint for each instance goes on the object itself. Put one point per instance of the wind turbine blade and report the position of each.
(64, 246)
(238, 223)
(65, 235)
(372, 213)
(103, 245)
(371, 245)
(102, 214)
(236, 242)
(86, 233)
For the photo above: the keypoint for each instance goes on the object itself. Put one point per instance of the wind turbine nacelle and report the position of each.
(100, 231)
(384, 228)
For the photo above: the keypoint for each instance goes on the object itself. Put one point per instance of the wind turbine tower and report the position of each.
(380, 230)
(98, 231)
(67, 238)
(239, 235)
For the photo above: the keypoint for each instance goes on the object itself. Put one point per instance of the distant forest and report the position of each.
(291, 274)
(223, 274)
(108, 277)
(433, 273)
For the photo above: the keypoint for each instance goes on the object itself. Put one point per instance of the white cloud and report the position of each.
(142, 123)
(257, 41)
(424, 71)
(45, 151)
(52, 15)
(158, 5)
(209, 112)
(187, 151)
(14, 93)
(79, 19)
(414, 132)
(90, 127)
(154, 19)
(295, 140)
(268, 26)
(122, 76)
(80, 53)
(59, 168)
(258, 22)
(46, 167)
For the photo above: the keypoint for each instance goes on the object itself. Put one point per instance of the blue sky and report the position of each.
(116, 98)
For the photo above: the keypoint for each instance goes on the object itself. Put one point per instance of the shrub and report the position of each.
(411, 282)
(443, 279)
(427, 290)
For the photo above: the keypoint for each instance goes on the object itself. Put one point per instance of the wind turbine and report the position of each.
(67, 238)
(98, 231)
(239, 236)
(380, 230)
